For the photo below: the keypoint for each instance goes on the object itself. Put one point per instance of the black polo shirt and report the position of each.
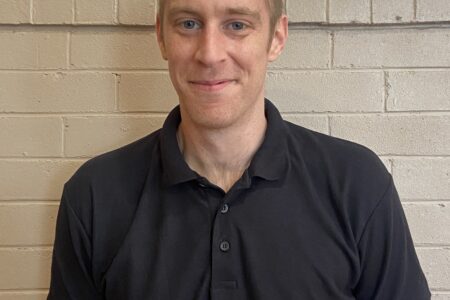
(313, 217)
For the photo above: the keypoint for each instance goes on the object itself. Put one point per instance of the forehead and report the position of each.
(218, 6)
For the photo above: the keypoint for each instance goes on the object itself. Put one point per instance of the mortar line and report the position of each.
(371, 113)
(116, 11)
(117, 79)
(415, 10)
(31, 11)
(425, 202)
(63, 137)
(73, 11)
(45, 159)
(327, 11)
(131, 114)
(23, 290)
(413, 156)
(75, 7)
(386, 90)
(84, 71)
(26, 247)
(371, 11)
(332, 49)
(68, 52)
(431, 246)
(329, 124)
(28, 202)
(359, 69)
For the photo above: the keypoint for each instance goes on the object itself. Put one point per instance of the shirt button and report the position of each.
(225, 246)
(224, 209)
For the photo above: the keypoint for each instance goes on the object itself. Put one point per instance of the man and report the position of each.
(228, 201)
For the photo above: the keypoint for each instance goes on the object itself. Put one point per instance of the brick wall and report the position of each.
(80, 77)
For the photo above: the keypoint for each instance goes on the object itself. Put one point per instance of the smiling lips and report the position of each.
(211, 85)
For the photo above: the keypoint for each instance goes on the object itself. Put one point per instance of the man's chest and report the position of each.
(259, 244)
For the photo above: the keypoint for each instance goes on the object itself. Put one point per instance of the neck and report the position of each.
(222, 155)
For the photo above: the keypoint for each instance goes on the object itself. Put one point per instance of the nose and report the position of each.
(211, 47)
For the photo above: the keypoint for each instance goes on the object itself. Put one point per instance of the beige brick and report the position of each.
(307, 10)
(420, 179)
(435, 263)
(23, 295)
(57, 92)
(316, 123)
(396, 135)
(305, 49)
(33, 50)
(140, 12)
(98, 11)
(326, 91)
(392, 48)
(392, 11)
(126, 49)
(14, 11)
(27, 224)
(34, 179)
(427, 221)
(53, 11)
(25, 268)
(29, 136)
(433, 10)
(89, 136)
(418, 90)
(349, 11)
(146, 92)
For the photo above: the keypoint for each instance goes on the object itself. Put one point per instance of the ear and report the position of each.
(160, 37)
(279, 38)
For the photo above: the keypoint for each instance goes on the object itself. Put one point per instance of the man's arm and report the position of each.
(71, 266)
(389, 265)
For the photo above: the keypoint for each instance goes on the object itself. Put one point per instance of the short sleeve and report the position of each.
(389, 265)
(71, 266)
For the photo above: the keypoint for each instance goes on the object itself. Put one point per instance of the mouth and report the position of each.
(211, 85)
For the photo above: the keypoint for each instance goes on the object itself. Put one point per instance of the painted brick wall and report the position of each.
(80, 77)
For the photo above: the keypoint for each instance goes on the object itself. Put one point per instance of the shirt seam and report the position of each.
(75, 214)
(67, 202)
(369, 219)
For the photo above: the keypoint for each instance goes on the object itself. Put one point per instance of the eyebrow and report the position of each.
(181, 10)
(243, 11)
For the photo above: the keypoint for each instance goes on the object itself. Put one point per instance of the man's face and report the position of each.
(217, 52)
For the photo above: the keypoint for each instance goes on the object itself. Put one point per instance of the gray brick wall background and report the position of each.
(80, 77)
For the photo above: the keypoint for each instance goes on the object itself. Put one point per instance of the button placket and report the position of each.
(223, 271)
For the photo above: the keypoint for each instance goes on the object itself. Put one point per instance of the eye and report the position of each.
(237, 26)
(190, 24)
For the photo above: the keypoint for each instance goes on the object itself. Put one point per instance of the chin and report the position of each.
(213, 118)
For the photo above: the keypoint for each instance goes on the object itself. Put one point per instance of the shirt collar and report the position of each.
(175, 168)
(269, 162)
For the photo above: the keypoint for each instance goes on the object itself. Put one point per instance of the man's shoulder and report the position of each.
(344, 162)
(121, 164)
